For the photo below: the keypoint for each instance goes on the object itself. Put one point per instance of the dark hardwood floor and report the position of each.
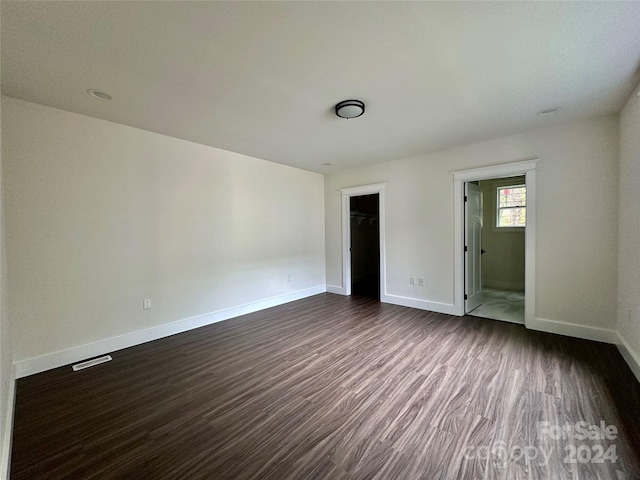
(334, 387)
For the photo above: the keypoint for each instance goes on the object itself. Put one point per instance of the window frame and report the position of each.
(506, 228)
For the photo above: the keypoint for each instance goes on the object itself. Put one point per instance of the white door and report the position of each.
(473, 246)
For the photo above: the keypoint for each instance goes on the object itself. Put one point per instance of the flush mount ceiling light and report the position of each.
(551, 111)
(98, 94)
(350, 109)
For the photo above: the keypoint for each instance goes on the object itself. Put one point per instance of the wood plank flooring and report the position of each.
(334, 387)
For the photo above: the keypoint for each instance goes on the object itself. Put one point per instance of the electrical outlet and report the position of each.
(289, 278)
(412, 280)
(146, 304)
(421, 281)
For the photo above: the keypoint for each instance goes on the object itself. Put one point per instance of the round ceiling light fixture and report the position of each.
(98, 94)
(350, 109)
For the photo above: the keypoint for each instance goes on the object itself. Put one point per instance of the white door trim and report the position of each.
(527, 168)
(347, 193)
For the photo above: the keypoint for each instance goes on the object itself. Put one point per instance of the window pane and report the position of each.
(512, 217)
(512, 201)
(512, 197)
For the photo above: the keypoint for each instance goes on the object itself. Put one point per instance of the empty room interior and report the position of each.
(320, 240)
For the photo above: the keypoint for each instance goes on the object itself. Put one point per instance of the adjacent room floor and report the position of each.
(502, 305)
(335, 387)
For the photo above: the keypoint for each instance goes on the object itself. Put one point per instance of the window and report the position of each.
(512, 206)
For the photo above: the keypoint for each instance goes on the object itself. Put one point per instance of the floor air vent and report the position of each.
(91, 363)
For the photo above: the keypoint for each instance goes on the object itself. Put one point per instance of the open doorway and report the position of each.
(495, 228)
(373, 209)
(505, 170)
(365, 245)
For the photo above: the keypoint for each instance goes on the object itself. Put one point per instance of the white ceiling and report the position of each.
(262, 78)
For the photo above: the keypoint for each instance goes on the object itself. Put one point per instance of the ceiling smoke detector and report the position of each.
(550, 111)
(98, 94)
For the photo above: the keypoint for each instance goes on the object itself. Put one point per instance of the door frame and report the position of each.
(347, 193)
(514, 169)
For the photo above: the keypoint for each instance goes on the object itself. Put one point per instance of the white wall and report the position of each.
(629, 232)
(101, 215)
(6, 357)
(576, 223)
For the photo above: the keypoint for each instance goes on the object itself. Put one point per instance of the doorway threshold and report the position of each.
(503, 305)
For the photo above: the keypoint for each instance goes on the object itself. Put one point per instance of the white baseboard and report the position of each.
(335, 289)
(573, 330)
(5, 454)
(447, 308)
(57, 359)
(632, 359)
